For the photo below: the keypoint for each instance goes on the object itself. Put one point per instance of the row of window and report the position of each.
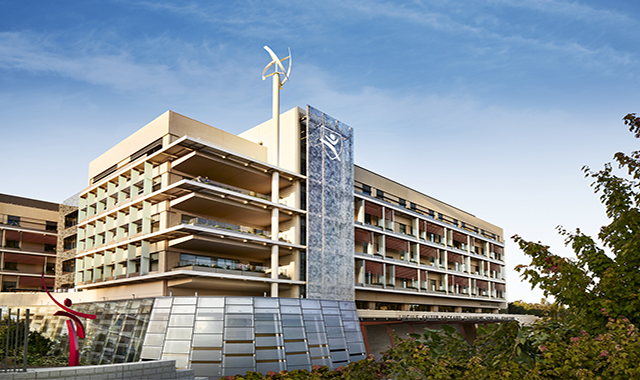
(13, 220)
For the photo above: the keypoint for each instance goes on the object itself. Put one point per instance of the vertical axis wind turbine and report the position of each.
(278, 82)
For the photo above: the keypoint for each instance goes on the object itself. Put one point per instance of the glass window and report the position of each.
(12, 243)
(52, 226)
(13, 220)
(238, 334)
(269, 341)
(71, 219)
(207, 340)
(268, 327)
(239, 320)
(209, 314)
(208, 327)
(294, 333)
(211, 302)
(177, 347)
(204, 260)
(181, 320)
(69, 266)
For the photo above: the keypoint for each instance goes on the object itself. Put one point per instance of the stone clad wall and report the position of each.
(330, 264)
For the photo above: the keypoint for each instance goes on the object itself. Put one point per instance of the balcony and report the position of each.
(237, 269)
(227, 226)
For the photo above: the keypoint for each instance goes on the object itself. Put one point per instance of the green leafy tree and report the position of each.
(596, 285)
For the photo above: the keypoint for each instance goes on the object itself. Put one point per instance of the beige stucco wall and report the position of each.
(265, 135)
(31, 213)
(170, 126)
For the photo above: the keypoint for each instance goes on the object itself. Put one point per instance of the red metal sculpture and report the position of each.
(74, 331)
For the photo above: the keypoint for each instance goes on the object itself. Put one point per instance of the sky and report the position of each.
(493, 106)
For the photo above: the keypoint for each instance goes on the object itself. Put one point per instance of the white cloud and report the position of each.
(573, 10)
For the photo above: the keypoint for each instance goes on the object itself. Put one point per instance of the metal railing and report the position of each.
(14, 341)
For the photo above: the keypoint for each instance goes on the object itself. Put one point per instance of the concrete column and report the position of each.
(147, 184)
(360, 210)
(131, 254)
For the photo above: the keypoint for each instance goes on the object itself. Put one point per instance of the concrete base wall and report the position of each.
(151, 370)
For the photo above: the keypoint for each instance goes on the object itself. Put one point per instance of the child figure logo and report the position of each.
(333, 143)
(76, 331)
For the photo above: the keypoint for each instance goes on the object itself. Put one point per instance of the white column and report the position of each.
(276, 115)
(275, 231)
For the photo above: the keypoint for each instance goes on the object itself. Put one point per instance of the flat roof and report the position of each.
(28, 202)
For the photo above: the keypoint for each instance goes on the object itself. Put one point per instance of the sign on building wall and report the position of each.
(330, 264)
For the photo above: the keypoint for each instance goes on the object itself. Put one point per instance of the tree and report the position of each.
(596, 286)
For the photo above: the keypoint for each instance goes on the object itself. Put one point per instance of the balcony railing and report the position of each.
(235, 189)
(228, 226)
(234, 268)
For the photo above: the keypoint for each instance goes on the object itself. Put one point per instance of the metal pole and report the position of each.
(276, 114)
(7, 335)
(26, 342)
(1, 322)
(15, 343)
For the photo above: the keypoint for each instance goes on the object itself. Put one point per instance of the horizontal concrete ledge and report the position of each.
(442, 317)
(148, 370)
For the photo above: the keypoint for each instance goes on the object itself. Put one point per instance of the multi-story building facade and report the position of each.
(182, 208)
(415, 253)
(268, 250)
(28, 238)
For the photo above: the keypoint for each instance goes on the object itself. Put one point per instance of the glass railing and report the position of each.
(227, 226)
(232, 188)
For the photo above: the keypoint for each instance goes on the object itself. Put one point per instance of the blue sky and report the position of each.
(490, 105)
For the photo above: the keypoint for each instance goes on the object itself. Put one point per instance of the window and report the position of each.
(49, 247)
(12, 243)
(52, 226)
(366, 189)
(71, 219)
(69, 266)
(51, 268)
(8, 265)
(8, 286)
(13, 220)
(413, 206)
(402, 202)
(379, 194)
(70, 242)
